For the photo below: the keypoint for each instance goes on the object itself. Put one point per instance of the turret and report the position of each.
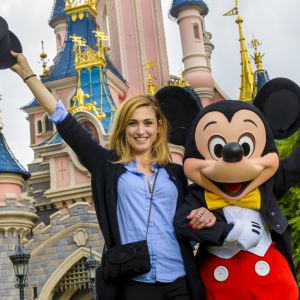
(58, 21)
(261, 75)
(196, 46)
(17, 213)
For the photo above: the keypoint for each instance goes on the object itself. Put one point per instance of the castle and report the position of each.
(107, 51)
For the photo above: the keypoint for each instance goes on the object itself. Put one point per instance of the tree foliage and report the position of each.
(290, 203)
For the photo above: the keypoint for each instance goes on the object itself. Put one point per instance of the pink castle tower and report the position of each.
(137, 38)
(196, 48)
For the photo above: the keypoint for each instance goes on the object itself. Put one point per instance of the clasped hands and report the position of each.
(201, 218)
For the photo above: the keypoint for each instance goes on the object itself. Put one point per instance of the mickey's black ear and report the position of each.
(180, 107)
(279, 100)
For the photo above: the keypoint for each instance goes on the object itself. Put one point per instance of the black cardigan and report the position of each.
(105, 174)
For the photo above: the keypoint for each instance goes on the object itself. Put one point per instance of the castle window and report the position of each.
(48, 124)
(91, 129)
(196, 31)
(58, 41)
(39, 126)
(35, 296)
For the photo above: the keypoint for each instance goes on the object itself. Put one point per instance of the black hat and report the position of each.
(8, 42)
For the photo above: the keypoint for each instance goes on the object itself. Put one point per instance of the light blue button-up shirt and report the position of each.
(132, 212)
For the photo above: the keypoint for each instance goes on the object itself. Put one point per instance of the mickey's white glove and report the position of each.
(245, 233)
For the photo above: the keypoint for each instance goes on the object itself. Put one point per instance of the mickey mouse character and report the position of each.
(232, 159)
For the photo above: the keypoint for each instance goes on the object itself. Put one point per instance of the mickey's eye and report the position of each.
(247, 142)
(215, 146)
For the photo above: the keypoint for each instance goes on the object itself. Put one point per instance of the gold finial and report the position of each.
(257, 55)
(44, 61)
(101, 38)
(177, 81)
(78, 43)
(151, 89)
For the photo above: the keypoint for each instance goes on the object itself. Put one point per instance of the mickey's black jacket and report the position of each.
(287, 175)
(105, 174)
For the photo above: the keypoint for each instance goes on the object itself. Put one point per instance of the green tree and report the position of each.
(290, 203)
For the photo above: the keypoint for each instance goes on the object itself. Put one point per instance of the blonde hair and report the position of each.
(118, 138)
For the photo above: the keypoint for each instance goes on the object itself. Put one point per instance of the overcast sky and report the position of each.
(275, 23)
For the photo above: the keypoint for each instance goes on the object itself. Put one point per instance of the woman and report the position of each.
(122, 181)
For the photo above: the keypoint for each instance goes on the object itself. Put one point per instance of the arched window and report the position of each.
(196, 31)
(91, 129)
(39, 126)
(58, 41)
(48, 124)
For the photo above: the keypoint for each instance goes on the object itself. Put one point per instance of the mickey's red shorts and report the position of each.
(247, 276)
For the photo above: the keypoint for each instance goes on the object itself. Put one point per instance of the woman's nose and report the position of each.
(140, 129)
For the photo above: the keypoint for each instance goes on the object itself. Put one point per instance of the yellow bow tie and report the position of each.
(251, 200)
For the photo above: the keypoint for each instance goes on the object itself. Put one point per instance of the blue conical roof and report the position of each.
(58, 11)
(8, 163)
(178, 4)
(64, 61)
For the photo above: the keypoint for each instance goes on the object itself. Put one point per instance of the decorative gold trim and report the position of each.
(150, 87)
(79, 6)
(257, 55)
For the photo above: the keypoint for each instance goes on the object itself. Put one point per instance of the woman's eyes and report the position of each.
(146, 123)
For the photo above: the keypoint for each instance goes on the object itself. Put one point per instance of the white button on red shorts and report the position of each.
(221, 273)
(262, 268)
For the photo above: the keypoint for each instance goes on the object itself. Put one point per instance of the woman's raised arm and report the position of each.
(40, 92)
(77, 137)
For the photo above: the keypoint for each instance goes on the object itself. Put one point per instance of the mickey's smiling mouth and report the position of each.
(232, 189)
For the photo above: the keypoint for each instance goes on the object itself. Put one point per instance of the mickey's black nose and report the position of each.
(232, 152)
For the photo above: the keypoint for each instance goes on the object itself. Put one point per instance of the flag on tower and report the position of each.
(232, 12)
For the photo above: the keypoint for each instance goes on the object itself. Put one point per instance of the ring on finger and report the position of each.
(200, 213)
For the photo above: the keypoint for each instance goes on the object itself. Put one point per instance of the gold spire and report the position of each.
(257, 55)
(44, 61)
(151, 88)
(247, 78)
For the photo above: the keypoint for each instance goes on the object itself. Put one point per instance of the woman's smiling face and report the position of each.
(142, 130)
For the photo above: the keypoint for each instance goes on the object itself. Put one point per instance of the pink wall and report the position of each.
(115, 95)
(62, 171)
(149, 38)
(114, 34)
(131, 47)
(80, 178)
(9, 188)
(64, 94)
